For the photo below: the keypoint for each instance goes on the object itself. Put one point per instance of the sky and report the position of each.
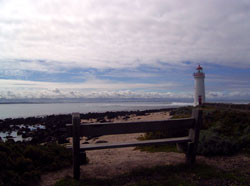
(123, 49)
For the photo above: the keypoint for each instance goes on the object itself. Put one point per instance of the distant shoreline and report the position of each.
(89, 100)
(159, 100)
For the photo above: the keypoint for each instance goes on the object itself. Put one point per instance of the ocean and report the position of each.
(43, 109)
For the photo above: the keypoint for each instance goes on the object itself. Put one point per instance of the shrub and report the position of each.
(223, 132)
(22, 163)
(211, 144)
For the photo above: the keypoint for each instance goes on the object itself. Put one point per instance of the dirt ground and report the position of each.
(112, 162)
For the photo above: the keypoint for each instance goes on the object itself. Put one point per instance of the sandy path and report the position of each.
(110, 162)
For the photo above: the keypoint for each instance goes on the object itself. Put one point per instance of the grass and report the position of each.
(201, 174)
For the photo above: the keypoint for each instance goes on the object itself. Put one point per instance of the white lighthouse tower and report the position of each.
(199, 94)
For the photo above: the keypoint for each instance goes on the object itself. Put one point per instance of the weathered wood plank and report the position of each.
(97, 129)
(76, 145)
(194, 134)
(98, 146)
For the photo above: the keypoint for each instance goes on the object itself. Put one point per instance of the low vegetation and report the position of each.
(224, 131)
(22, 164)
(201, 174)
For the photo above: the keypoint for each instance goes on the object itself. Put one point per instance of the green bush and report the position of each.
(182, 112)
(224, 132)
(23, 163)
(211, 144)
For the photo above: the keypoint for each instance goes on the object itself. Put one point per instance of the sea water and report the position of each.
(43, 109)
(18, 137)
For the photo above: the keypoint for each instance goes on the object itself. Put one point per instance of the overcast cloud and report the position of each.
(42, 41)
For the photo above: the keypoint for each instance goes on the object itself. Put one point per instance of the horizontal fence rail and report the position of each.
(99, 129)
(98, 146)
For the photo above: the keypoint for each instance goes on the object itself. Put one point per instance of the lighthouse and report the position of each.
(199, 92)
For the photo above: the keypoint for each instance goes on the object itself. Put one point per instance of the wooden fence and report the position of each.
(76, 129)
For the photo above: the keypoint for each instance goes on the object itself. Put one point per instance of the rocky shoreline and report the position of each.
(52, 128)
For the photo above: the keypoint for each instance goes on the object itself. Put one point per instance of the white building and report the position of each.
(199, 92)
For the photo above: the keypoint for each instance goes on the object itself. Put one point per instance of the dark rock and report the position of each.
(15, 127)
(26, 135)
(26, 129)
(48, 139)
(101, 119)
(35, 140)
(10, 141)
(19, 132)
(92, 137)
(101, 141)
(85, 142)
(126, 117)
(62, 140)
(9, 137)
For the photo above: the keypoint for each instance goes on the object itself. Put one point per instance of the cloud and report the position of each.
(93, 88)
(78, 93)
(89, 84)
(24, 90)
(122, 34)
(217, 94)
(115, 48)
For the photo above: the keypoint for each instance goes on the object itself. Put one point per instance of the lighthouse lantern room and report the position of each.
(199, 94)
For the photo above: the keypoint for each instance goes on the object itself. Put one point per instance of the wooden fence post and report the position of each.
(194, 134)
(76, 145)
